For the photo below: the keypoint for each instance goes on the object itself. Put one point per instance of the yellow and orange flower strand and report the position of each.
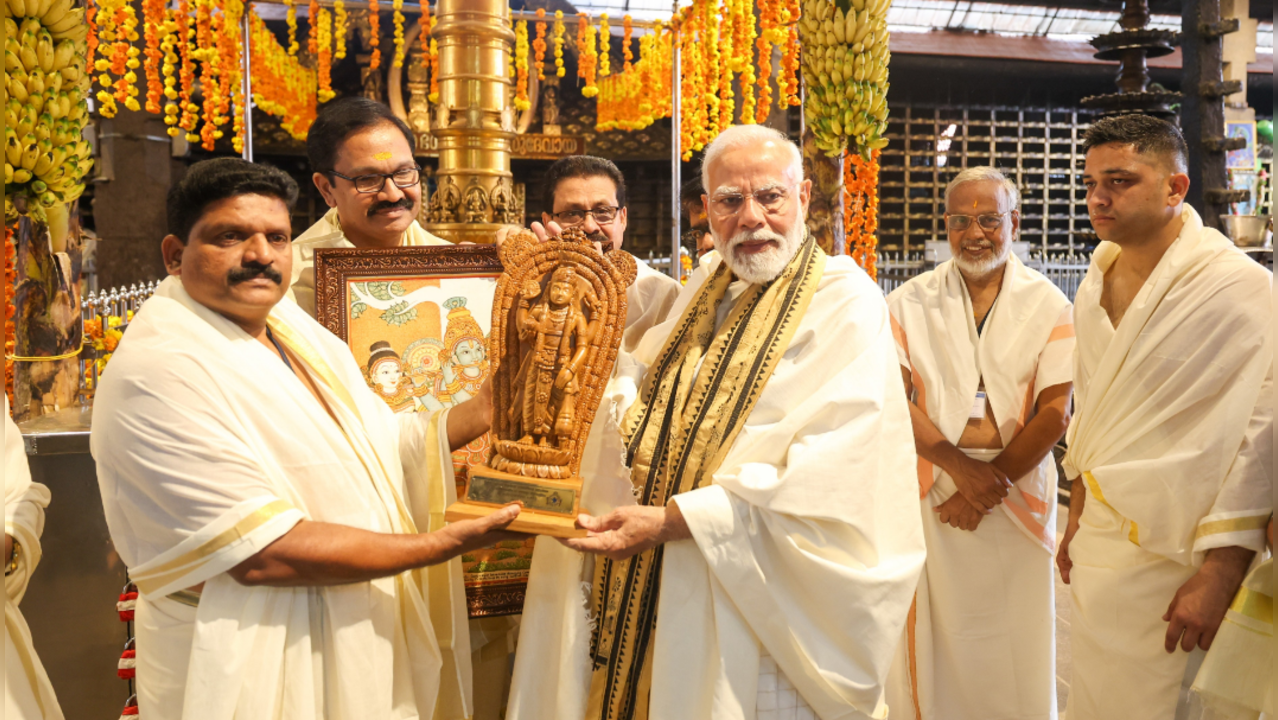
(605, 46)
(861, 210)
(558, 40)
(521, 66)
(539, 45)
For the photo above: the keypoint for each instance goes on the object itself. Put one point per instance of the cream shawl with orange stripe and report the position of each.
(1174, 408)
(208, 449)
(1026, 346)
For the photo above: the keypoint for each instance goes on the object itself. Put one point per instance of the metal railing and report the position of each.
(1065, 270)
(104, 308)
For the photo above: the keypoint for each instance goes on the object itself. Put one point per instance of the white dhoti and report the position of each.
(983, 640)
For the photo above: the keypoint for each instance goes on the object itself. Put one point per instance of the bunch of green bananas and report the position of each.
(845, 70)
(45, 109)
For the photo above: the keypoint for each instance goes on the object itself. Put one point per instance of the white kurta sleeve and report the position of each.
(186, 497)
(24, 504)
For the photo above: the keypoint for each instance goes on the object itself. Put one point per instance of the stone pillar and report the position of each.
(129, 207)
(473, 121)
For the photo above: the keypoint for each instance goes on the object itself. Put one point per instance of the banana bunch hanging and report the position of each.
(45, 109)
(845, 70)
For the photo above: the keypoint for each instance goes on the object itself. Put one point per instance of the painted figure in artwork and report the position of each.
(559, 327)
(464, 357)
(386, 377)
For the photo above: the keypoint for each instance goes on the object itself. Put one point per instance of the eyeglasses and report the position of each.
(403, 178)
(603, 215)
(772, 200)
(988, 222)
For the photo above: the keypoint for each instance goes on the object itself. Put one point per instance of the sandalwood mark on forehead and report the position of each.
(382, 156)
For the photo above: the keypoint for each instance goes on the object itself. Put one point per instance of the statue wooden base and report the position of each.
(550, 506)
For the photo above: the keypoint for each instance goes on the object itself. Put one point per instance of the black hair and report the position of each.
(691, 191)
(342, 118)
(208, 181)
(1149, 135)
(582, 166)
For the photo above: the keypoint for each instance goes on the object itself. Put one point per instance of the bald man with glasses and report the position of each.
(985, 347)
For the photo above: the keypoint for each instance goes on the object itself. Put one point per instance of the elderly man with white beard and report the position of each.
(751, 463)
(985, 348)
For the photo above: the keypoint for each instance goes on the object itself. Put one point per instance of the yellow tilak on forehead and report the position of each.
(382, 156)
(973, 202)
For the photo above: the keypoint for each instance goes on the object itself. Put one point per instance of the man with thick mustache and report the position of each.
(362, 159)
(283, 526)
(985, 347)
(754, 538)
(1171, 445)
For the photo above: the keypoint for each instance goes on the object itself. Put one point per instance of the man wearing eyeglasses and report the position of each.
(753, 543)
(362, 157)
(985, 347)
(590, 192)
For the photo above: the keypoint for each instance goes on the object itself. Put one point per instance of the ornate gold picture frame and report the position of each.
(418, 321)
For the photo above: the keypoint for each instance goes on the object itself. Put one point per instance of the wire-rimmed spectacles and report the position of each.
(772, 200)
(988, 222)
(603, 215)
(403, 178)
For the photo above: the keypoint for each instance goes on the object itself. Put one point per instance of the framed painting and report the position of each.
(417, 321)
(1245, 157)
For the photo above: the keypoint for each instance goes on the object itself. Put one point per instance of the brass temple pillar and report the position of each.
(473, 122)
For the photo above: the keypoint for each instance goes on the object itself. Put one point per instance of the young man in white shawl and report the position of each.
(985, 346)
(753, 542)
(283, 526)
(361, 155)
(28, 695)
(1170, 448)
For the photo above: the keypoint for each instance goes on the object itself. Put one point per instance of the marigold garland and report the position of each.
(788, 82)
(169, 46)
(627, 30)
(339, 29)
(861, 210)
(589, 62)
(634, 99)
(582, 22)
(769, 15)
(290, 17)
(324, 42)
(539, 45)
(558, 40)
(521, 66)
(281, 85)
(398, 20)
(434, 61)
(743, 36)
(10, 286)
(155, 24)
(312, 27)
(423, 37)
(375, 40)
(186, 76)
(713, 71)
(91, 39)
(605, 46)
(210, 70)
(230, 74)
(686, 25)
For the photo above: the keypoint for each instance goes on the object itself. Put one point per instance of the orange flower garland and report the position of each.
(589, 61)
(290, 17)
(423, 36)
(324, 42)
(539, 45)
(281, 85)
(768, 31)
(686, 25)
(788, 82)
(339, 29)
(210, 70)
(633, 100)
(861, 210)
(713, 71)
(605, 49)
(312, 28)
(434, 61)
(169, 46)
(743, 54)
(154, 22)
(375, 35)
(10, 286)
(91, 39)
(521, 66)
(627, 29)
(186, 37)
(398, 19)
(559, 43)
(582, 22)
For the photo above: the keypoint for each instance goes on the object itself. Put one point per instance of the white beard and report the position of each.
(761, 267)
(983, 268)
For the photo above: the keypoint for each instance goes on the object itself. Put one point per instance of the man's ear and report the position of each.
(805, 195)
(325, 186)
(171, 249)
(1178, 188)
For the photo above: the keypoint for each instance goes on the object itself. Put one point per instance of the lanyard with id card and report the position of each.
(978, 406)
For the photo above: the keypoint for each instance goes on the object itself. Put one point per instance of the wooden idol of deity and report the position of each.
(558, 315)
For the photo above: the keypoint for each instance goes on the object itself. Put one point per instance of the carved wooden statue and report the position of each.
(558, 315)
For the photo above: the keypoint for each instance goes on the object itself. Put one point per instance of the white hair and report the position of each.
(983, 173)
(749, 135)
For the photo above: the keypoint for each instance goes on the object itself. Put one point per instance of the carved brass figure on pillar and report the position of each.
(559, 309)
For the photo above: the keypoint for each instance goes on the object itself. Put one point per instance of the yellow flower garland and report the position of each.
(291, 19)
(339, 29)
(558, 41)
(605, 42)
(398, 19)
(521, 66)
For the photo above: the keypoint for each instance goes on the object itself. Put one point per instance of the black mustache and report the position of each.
(598, 237)
(250, 271)
(403, 202)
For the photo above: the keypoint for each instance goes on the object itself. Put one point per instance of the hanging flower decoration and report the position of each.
(769, 26)
(713, 71)
(118, 27)
(155, 24)
(281, 85)
(104, 341)
(589, 62)
(861, 209)
(686, 24)
(375, 40)
(627, 30)
(398, 19)
(312, 27)
(290, 17)
(230, 72)
(210, 70)
(324, 58)
(423, 37)
(605, 46)
(539, 45)
(434, 61)
(788, 82)
(339, 29)
(743, 56)
(559, 43)
(169, 47)
(582, 22)
(10, 285)
(521, 66)
(186, 36)
(91, 38)
(634, 99)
